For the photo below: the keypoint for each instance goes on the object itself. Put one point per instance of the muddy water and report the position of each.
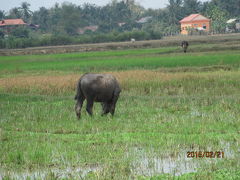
(67, 173)
(143, 162)
(149, 163)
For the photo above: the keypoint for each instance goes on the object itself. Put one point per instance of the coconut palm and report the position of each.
(25, 11)
(14, 13)
(2, 15)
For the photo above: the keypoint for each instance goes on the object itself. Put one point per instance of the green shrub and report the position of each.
(15, 41)
(20, 32)
(2, 43)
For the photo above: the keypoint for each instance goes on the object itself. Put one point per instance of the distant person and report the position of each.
(184, 46)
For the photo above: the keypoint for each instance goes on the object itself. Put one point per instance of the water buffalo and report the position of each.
(102, 88)
(184, 46)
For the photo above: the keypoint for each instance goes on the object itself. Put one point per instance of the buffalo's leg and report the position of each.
(78, 107)
(89, 106)
(112, 110)
(113, 104)
(185, 49)
(105, 108)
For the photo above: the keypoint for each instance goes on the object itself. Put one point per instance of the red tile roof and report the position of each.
(8, 22)
(92, 28)
(194, 17)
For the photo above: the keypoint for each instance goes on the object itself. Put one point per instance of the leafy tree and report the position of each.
(114, 13)
(21, 32)
(191, 6)
(136, 10)
(41, 17)
(69, 18)
(54, 18)
(230, 6)
(218, 17)
(90, 14)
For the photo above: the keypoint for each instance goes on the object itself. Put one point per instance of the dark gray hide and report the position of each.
(184, 46)
(102, 88)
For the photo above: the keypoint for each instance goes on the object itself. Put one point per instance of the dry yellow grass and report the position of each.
(59, 84)
(43, 84)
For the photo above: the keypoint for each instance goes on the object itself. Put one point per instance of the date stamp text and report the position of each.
(205, 154)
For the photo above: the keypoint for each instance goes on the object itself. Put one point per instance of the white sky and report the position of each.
(36, 4)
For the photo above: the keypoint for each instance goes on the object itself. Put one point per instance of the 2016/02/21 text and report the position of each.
(205, 154)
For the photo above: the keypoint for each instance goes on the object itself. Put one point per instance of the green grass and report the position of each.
(111, 60)
(164, 118)
(49, 134)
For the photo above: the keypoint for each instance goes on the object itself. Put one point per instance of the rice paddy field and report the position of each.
(178, 115)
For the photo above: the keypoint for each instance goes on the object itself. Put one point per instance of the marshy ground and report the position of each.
(171, 103)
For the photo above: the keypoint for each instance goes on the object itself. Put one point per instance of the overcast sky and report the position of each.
(35, 4)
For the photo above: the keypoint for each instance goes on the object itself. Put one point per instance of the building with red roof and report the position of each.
(8, 24)
(12, 22)
(90, 28)
(194, 21)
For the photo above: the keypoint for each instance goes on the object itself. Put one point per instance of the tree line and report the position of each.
(116, 21)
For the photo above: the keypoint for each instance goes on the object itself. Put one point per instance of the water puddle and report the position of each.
(149, 163)
(53, 173)
(146, 162)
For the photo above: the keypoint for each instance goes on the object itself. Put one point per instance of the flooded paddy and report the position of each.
(51, 173)
(144, 162)
(149, 163)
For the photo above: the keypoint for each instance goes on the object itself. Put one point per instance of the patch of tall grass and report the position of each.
(135, 81)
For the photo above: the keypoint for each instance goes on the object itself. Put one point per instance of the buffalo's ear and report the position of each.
(75, 98)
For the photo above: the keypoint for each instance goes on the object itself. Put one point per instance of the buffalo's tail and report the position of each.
(79, 90)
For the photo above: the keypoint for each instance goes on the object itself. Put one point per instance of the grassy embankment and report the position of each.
(171, 103)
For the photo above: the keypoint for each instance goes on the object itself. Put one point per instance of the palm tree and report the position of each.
(25, 11)
(2, 15)
(14, 13)
(175, 10)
